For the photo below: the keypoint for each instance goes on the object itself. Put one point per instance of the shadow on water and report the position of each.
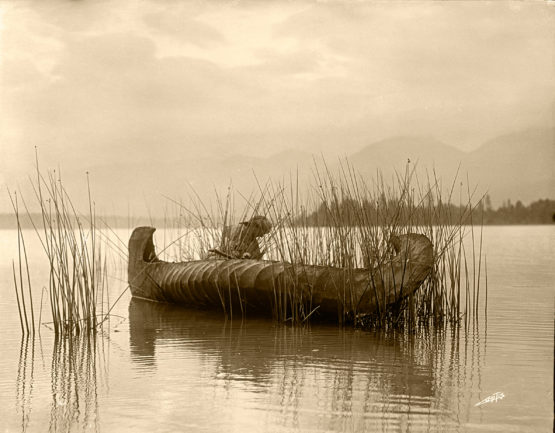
(321, 376)
(257, 346)
(405, 377)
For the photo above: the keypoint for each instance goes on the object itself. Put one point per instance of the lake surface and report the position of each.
(160, 368)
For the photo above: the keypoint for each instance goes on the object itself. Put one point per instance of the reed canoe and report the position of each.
(272, 287)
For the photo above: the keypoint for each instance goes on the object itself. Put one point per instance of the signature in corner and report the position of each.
(494, 398)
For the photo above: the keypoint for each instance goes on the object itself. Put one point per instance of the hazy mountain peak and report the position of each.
(409, 146)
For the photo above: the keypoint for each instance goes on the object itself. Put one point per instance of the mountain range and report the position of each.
(517, 166)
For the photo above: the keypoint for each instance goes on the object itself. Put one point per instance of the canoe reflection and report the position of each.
(263, 352)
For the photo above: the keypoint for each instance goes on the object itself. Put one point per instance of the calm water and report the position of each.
(161, 368)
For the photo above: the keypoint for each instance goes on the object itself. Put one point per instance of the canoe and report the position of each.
(275, 288)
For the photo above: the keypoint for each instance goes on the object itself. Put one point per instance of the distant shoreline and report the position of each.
(6, 228)
(539, 212)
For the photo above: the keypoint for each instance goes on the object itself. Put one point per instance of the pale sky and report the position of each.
(96, 82)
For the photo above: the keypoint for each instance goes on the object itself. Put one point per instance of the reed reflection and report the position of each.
(330, 371)
(74, 383)
(74, 379)
(25, 379)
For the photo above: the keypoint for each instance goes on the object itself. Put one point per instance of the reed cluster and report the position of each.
(77, 271)
(343, 220)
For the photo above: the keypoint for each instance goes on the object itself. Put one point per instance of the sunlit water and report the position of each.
(160, 368)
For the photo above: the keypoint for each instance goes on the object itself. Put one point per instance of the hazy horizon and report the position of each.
(106, 86)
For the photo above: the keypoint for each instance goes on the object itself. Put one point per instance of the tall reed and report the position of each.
(345, 220)
(70, 241)
(26, 320)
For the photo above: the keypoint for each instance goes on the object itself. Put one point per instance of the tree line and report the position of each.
(384, 211)
(353, 212)
(537, 212)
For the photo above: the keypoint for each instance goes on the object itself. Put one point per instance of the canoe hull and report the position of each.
(242, 285)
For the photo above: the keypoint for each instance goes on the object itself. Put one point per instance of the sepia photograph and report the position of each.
(277, 216)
